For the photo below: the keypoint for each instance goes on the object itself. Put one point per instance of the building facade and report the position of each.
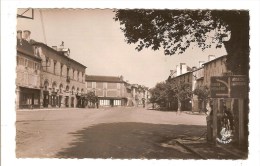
(137, 95)
(181, 75)
(111, 90)
(114, 91)
(27, 74)
(185, 78)
(215, 67)
(62, 78)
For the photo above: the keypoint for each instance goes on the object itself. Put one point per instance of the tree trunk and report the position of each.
(238, 46)
(179, 106)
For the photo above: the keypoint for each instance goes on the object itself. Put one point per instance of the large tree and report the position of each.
(176, 30)
(160, 94)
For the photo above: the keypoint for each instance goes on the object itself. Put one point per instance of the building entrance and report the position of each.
(45, 99)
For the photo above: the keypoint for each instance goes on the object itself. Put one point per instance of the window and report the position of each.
(47, 62)
(61, 67)
(68, 69)
(30, 64)
(54, 67)
(111, 85)
(78, 76)
(36, 66)
(21, 61)
(73, 76)
(89, 84)
(26, 63)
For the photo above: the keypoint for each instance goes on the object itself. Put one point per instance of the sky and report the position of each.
(96, 41)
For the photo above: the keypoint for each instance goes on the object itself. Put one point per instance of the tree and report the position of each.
(91, 97)
(182, 92)
(203, 93)
(169, 91)
(160, 94)
(176, 30)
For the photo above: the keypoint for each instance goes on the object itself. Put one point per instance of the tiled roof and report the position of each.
(26, 48)
(223, 56)
(58, 52)
(103, 78)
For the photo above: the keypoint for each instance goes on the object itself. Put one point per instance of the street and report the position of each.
(122, 132)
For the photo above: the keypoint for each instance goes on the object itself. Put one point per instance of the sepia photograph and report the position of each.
(132, 83)
(147, 83)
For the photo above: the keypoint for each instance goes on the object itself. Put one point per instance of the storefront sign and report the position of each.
(229, 86)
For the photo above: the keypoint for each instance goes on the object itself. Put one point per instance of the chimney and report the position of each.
(211, 57)
(121, 78)
(178, 68)
(19, 37)
(171, 72)
(26, 35)
(183, 68)
(201, 63)
(19, 34)
(194, 68)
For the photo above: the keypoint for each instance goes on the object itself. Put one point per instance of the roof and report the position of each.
(214, 59)
(97, 78)
(26, 48)
(58, 52)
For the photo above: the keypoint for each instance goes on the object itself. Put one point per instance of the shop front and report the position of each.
(54, 99)
(29, 98)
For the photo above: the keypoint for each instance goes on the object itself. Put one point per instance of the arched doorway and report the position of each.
(60, 95)
(67, 96)
(45, 93)
(72, 97)
(54, 97)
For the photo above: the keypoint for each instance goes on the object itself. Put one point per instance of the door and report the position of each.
(45, 100)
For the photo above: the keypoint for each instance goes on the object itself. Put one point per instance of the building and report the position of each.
(182, 75)
(27, 73)
(202, 75)
(111, 90)
(137, 95)
(198, 77)
(62, 78)
(114, 91)
(215, 67)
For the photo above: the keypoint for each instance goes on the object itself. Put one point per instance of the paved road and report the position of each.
(105, 133)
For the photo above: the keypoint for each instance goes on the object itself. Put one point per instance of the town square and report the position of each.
(132, 84)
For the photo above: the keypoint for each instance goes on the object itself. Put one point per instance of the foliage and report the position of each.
(91, 97)
(202, 92)
(168, 91)
(177, 30)
(159, 94)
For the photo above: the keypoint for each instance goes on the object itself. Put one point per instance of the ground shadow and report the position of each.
(130, 140)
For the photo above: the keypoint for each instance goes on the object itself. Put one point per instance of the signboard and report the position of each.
(229, 86)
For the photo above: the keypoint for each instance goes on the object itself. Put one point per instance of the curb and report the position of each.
(237, 153)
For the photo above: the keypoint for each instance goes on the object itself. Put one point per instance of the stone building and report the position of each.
(114, 91)
(27, 73)
(214, 67)
(110, 90)
(137, 95)
(198, 77)
(62, 78)
(182, 75)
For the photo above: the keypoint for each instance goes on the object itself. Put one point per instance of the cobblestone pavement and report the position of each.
(123, 133)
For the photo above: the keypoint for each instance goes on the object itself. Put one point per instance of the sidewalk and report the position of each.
(52, 109)
(194, 113)
(205, 150)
